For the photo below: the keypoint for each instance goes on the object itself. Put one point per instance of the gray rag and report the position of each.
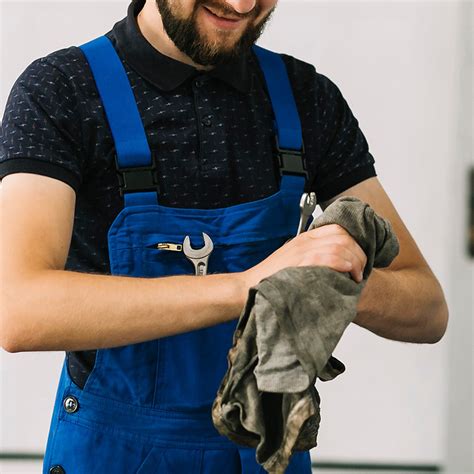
(286, 333)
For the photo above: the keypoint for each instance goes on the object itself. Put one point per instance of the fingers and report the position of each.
(340, 258)
(335, 248)
(335, 262)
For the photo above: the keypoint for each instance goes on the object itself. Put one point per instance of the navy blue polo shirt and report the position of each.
(211, 134)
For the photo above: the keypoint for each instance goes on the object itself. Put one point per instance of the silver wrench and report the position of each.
(307, 206)
(199, 257)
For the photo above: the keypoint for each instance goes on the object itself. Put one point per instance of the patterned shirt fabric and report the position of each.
(210, 132)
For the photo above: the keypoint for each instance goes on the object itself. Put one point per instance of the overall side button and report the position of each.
(57, 470)
(70, 404)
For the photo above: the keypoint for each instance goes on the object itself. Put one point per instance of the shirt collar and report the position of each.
(164, 72)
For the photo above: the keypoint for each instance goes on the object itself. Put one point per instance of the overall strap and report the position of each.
(136, 168)
(288, 134)
(135, 165)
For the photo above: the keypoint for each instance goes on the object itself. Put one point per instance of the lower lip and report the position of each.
(221, 22)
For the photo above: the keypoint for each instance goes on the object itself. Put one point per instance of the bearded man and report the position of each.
(175, 124)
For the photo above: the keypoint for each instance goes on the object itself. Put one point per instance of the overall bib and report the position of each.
(146, 407)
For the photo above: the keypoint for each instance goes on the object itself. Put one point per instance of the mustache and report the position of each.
(223, 9)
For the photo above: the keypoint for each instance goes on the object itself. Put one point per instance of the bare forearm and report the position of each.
(64, 310)
(405, 305)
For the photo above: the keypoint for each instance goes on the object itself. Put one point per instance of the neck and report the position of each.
(151, 26)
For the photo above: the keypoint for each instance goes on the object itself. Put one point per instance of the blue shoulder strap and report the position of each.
(288, 123)
(131, 144)
(289, 136)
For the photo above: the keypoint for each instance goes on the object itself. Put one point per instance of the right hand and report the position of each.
(329, 246)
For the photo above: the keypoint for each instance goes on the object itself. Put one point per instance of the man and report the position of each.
(93, 266)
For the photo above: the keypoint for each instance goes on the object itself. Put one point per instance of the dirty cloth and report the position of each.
(284, 340)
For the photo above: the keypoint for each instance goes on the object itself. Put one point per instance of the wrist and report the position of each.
(242, 285)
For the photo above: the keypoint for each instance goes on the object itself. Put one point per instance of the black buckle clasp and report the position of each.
(134, 179)
(291, 161)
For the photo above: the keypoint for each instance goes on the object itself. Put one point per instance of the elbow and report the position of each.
(8, 341)
(439, 320)
(8, 320)
(20, 340)
(433, 310)
(16, 333)
(9, 334)
(10, 346)
(17, 339)
(443, 325)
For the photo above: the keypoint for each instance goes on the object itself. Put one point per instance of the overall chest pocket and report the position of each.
(165, 255)
(164, 258)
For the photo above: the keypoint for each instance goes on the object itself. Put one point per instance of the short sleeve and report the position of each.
(41, 127)
(344, 158)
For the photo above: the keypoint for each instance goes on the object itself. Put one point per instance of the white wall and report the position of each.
(459, 416)
(403, 69)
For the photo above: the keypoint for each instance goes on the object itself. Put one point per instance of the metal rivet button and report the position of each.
(70, 404)
(206, 121)
(57, 470)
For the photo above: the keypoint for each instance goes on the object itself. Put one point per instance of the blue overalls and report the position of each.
(146, 407)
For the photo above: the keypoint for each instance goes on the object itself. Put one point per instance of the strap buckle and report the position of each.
(291, 161)
(134, 179)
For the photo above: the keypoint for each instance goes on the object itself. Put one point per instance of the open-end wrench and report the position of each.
(199, 257)
(307, 206)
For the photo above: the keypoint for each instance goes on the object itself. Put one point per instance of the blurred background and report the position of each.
(405, 69)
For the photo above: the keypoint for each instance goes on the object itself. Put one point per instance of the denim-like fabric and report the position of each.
(291, 323)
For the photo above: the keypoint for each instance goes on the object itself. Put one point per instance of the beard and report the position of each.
(186, 36)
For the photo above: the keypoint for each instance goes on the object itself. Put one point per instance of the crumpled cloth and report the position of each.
(284, 340)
